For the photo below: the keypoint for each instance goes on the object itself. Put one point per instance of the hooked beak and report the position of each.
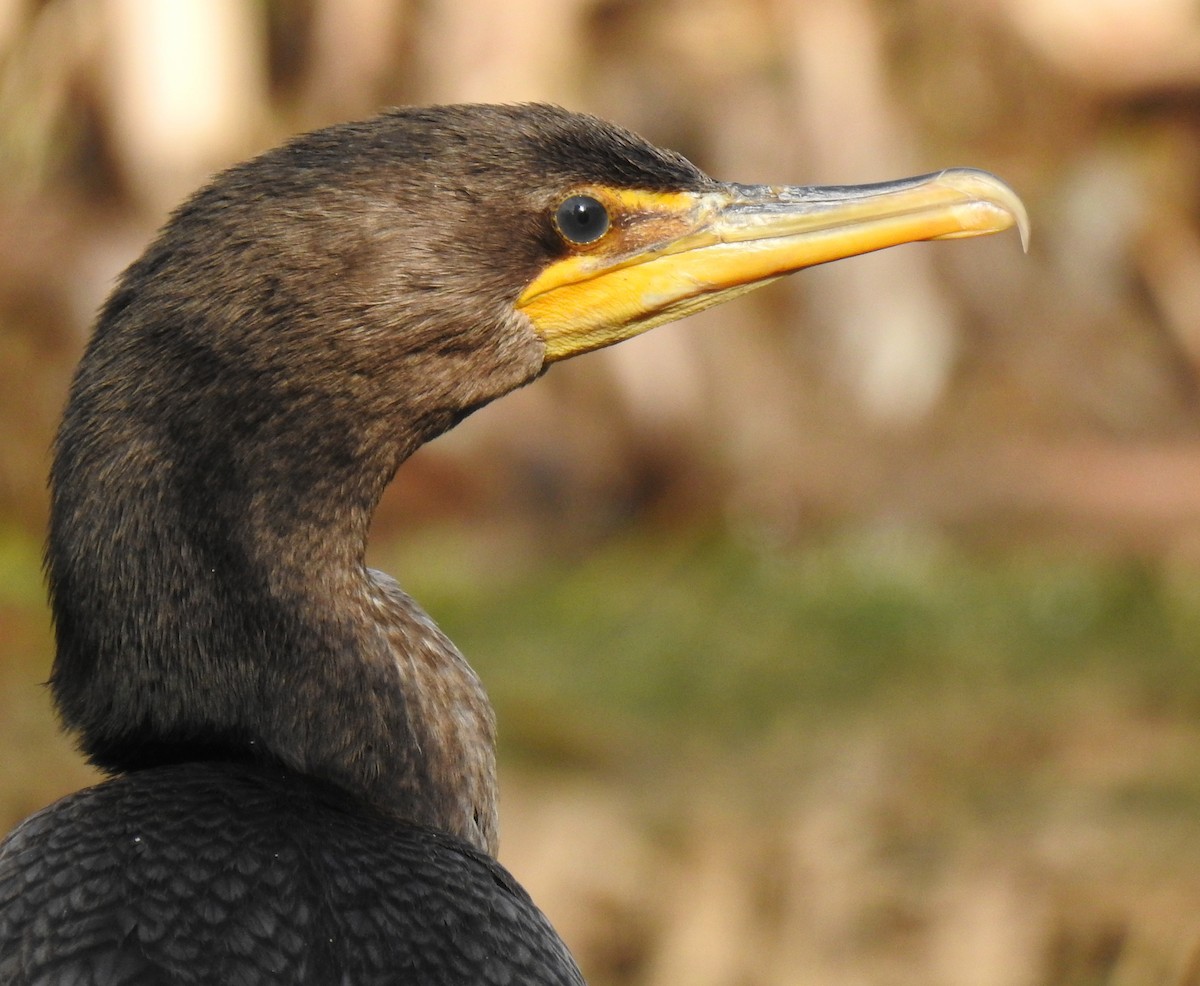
(669, 254)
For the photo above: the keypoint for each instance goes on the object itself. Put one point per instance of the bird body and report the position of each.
(303, 766)
(241, 875)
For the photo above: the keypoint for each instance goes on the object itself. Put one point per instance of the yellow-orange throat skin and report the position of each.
(669, 254)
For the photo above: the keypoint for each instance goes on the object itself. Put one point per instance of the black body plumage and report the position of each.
(206, 874)
(305, 786)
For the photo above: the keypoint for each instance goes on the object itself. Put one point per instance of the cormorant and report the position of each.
(302, 765)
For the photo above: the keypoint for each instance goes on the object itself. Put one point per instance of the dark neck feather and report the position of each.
(203, 617)
(211, 493)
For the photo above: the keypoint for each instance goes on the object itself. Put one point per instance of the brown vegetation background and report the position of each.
(954, 393)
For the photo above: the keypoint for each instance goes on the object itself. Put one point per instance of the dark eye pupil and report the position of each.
(581, 219)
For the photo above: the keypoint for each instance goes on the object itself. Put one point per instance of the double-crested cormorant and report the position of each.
(303, 785)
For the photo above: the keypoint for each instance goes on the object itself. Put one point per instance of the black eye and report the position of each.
(581, 219)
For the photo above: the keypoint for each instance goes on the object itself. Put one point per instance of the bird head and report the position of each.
(422, 263)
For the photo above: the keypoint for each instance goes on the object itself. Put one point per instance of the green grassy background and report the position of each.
(652, 650)
(1032, 708)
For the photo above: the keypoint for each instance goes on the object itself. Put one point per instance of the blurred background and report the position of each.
(847, 633)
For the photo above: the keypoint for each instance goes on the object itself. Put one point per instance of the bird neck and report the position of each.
(217, 606)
